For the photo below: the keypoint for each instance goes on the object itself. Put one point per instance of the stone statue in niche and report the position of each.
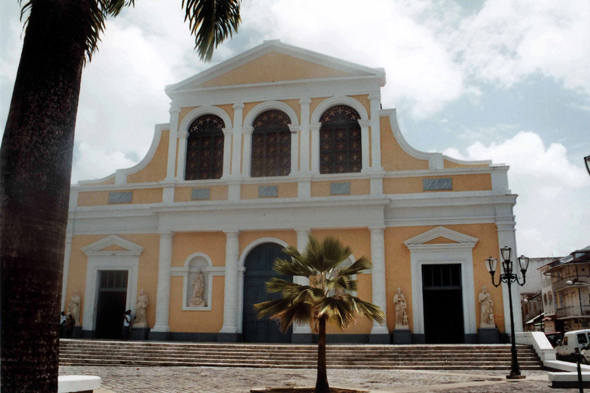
(74, 308)
(141, 310)
(487, 310)
(401, 317)
(198, 291)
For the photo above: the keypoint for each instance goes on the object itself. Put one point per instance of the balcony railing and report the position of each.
(573, 311)
(576, 282)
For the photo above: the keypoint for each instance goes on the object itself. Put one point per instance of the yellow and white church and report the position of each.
(261, 151)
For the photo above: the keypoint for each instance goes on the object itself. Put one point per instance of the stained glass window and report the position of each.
(204, 151)
(340, 141)
(271, 145)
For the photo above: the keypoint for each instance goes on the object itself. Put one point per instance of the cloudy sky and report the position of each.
(506, 80)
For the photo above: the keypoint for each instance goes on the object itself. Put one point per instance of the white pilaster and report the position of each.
(302, 240)
(365, 143)
(171, 163)
(227, 142)
(315, 147)
(375, 132)
(378, 276)
(163, 295)
(236, 160)
(507, 237)
(66, 271)
(294, 148)
(230, 305)
(182, 136)
(247, 135)
(304, 135)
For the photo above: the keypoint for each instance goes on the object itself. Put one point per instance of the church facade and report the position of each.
(261, 151)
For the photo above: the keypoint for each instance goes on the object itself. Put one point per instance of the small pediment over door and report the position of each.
(113, 245)
(441, 237)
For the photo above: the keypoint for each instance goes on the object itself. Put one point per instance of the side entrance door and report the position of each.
(443, 304)
(259, 263)
(112, 299)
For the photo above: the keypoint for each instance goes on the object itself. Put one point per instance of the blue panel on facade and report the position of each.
(440, 183)
(201, 193)
(268, 191)
(120, 197)
(340, 188)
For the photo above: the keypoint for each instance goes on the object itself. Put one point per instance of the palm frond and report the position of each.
(369, 310)
(358, 266)
(272, 307)
(280, 285)
(338, 311)
(296, 265)
(297, 313)
(211, 21)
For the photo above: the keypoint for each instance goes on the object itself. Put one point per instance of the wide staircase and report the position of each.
(424, 357)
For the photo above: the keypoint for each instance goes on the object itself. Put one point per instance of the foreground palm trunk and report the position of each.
(36, 159)
(321, 385)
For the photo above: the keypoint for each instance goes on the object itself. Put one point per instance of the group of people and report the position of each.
(66, 325)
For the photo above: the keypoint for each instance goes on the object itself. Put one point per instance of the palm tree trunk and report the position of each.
(321, 385)
(35, 170)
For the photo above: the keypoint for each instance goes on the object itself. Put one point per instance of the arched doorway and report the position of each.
(258, 264)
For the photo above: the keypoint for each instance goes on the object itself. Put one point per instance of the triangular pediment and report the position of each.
(441, 236)
(274, 62)
(113, 245)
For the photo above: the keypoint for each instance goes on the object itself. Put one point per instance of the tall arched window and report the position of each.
(204, 151)
(271, 144)
(340, 141)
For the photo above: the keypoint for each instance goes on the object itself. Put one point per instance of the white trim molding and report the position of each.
(461, 253)
(268, 105)
(109, 260)
(340, 100)
(187, 271)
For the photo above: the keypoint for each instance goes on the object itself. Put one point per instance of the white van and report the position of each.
(572, 340)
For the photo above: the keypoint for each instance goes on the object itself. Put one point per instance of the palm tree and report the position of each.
(324, 300)
(35, 168)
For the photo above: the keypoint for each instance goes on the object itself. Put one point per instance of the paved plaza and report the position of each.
(234, 380)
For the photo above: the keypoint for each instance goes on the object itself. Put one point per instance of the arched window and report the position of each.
(340, 141)
(271, 144)
(204, 151)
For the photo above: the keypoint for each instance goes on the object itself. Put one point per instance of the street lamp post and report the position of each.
(509, 277)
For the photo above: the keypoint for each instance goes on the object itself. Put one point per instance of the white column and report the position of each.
(247, 135)
(506, 237)
(315, 147)
(66, 271)
(230, 302)
(294, 149)
(182, 136)
(302, 240)
(237, 140)
(365, 143)
(378, 276)
(163, 295)
(171, 164)
(304, 135)
(227, 142)
(375, 132)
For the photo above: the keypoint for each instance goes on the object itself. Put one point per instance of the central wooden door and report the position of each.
(259, 263)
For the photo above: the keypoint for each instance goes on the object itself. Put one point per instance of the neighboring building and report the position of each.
(261, 151)
(566, 298)
(532, 305)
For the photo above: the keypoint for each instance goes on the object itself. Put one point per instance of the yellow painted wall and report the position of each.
(273, 67)
(210, 243)
(357, 187)
(359, 240)
(148, 269)
(140, 196)
(290, 237)
(393, 157)
(440, 240)
(364, 99)
(229, 109)
(193, 321)
(156, 169)
(410, 185)
(286, 190)
(398, 266)
(450, 164)
(217, 193)
(114, 247)
(314, 104)
(109, 181)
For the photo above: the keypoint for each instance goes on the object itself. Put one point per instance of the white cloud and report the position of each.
(510, 40)
(552, 211)
(91, 163)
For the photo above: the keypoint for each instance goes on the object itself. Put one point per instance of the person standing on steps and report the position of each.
(126, 324)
